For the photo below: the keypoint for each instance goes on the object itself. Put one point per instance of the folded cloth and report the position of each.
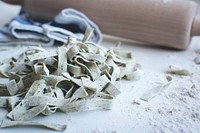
(27, 31)
(7, 38)
(76, 22)
(69, 22)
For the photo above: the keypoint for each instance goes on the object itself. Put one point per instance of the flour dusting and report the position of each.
(179, 110)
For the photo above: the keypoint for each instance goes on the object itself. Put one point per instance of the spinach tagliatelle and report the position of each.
(77, 76)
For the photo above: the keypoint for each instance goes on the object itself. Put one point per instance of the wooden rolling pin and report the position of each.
(169, 23)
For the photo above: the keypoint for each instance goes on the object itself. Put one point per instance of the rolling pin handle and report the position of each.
(196, 26)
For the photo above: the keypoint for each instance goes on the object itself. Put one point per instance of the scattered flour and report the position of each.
(179, 110)
(97, 130)
(136, 101)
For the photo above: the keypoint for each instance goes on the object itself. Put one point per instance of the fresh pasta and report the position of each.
(77, 76)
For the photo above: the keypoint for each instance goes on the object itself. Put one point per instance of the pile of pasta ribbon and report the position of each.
(77, 76)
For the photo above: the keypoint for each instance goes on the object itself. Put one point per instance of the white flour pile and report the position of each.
(178, 109)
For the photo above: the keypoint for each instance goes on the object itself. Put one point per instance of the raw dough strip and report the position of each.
(178, 71)
(88, 104)
(72, 52)
(98, 85)
(53, 79)
(132, 71)
(66, 86)
(74, 69)
(19, 81)
(42, 55)
(37, 48)
(62, 60)
(112, 90)
(87, 35)
(12, 87)
(98, 49)
(93, 69)
(79, 93)
(56, 127)
(154, 91)
(50, 61)
(4, 101)
(93, 57)
(104, 95)
(49, 110)
(13, 101)
(87, 84)
(122, 54)
(82, 62)
(57, 93)
(4, 70)
(41, 69)
(36, 89)
(83, 48)
(74, 80)
(19, 69)
(114, 70)
(28, 114)
(116, 58)
(42, 100)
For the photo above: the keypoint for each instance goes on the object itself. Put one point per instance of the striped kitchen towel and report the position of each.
(69, 22)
